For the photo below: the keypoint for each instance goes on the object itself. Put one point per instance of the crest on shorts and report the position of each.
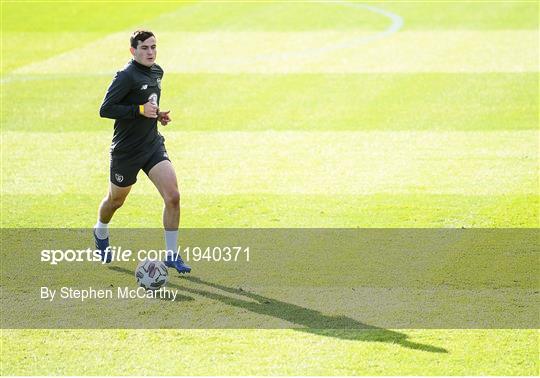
(118, 177)
(158, 82)
(153, 98)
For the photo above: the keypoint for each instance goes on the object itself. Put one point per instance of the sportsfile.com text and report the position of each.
(119, 254)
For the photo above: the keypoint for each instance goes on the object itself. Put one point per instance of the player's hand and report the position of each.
(151, 110)
(164, 118)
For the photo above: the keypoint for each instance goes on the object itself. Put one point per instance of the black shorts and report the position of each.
(124, 169)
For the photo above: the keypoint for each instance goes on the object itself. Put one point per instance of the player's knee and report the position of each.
(172, 199)
(116, 203)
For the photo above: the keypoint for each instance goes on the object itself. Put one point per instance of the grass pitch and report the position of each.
(432, 126)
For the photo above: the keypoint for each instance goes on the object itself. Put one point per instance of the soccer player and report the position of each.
(132, 100)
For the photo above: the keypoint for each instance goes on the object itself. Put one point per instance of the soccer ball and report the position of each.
(151, 274)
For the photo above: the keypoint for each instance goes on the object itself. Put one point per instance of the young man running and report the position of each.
(132, 100)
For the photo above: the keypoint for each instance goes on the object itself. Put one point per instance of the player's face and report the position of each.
(146, 52)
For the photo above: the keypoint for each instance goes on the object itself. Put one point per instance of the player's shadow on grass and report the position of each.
(341, 327)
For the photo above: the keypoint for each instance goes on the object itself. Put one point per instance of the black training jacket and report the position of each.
(134, 85)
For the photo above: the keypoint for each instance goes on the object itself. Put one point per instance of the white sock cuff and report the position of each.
(101, 225)
(102, 230)
(171, 240)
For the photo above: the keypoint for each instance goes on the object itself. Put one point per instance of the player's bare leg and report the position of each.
(112, 202)
(164, 178)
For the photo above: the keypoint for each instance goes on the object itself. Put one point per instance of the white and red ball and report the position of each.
(151, 274)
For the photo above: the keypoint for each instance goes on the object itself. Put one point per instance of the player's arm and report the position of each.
(118, 90)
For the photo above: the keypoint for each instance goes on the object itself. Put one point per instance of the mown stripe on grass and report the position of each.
(479, 163)
(270, 352)
(332, 102)
(143, 209)
(313, 52)
(267, 16)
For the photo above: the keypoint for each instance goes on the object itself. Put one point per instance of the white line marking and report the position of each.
(396, 24)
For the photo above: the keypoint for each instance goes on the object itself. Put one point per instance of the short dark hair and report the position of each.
(140, 35)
